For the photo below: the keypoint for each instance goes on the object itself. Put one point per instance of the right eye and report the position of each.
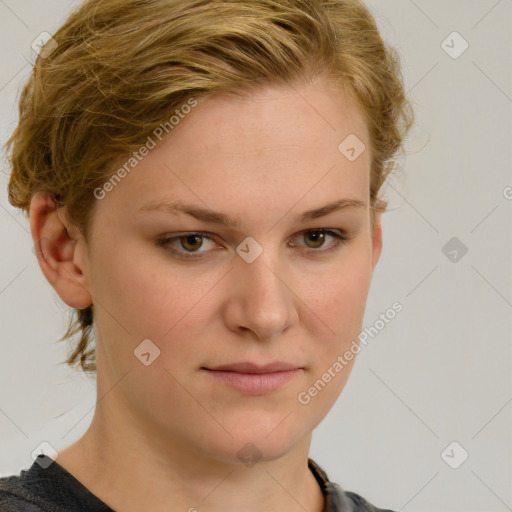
(185, 244)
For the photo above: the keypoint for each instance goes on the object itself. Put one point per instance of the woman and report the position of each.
(202, 180)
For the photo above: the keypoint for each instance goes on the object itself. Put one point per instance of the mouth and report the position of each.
(254, 379)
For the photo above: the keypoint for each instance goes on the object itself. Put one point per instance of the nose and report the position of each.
(260, 300)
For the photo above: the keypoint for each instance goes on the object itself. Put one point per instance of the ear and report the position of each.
(61, 251)
(377, 232)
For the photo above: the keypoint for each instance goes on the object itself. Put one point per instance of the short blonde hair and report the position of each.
(118, 68)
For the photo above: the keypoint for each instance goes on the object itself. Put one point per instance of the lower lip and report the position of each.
(255, 383)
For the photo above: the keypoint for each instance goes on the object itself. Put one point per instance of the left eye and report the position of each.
(191, 242)
(318, 237)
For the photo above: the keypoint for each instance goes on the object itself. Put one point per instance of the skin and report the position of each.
(170, 432)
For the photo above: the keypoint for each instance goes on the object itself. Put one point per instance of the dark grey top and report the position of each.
(47, 487)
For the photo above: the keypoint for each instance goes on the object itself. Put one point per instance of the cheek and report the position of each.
(344, 285)
(340, 307)
(139, 287)
(339, 302)
(144, 296)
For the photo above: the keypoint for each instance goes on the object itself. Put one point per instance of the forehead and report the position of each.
(277, 144)
(309, 117)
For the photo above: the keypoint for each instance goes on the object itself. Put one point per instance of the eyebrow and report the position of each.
(207, 215)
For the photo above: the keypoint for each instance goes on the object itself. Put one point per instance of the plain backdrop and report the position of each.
(431, 388)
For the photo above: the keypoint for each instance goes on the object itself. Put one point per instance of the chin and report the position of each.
(258, 443)
(248, 452)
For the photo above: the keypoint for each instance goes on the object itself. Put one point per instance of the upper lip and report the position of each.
(248, 367)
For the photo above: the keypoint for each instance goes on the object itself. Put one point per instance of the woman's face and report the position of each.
(268, 289)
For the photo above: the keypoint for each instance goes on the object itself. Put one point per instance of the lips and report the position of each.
(249, 367)
(254, 379)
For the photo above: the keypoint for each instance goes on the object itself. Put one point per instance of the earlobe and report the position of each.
(60, 251)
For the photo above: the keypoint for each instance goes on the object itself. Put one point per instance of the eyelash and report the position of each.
(340, 240)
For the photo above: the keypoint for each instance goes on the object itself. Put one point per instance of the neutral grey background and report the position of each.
(439, 372)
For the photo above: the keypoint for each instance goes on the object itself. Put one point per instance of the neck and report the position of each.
(131, 469)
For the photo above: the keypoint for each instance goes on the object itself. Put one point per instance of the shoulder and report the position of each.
(337, 499)
(14, 498)
(362, 505)
(47, 487)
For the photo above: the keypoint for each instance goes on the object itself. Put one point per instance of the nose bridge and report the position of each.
(266, 302)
